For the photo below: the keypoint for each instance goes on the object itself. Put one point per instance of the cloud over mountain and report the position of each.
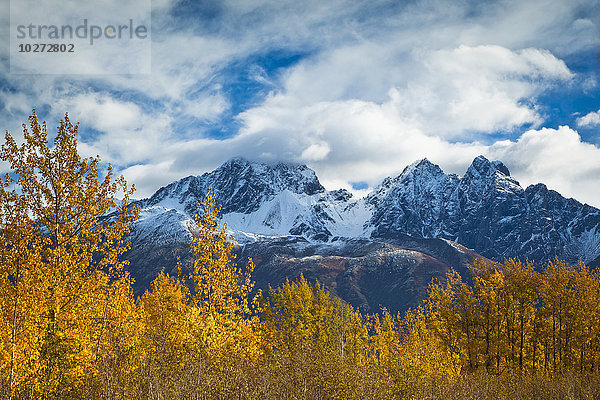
(355, 89)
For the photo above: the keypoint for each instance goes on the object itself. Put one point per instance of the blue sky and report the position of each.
(354, 89)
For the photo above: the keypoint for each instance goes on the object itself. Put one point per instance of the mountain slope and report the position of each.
(486, 210)
(282, 216)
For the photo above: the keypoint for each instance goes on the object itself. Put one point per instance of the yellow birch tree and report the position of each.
(60, 260)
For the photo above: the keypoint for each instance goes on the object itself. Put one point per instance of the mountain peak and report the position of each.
(482, 167)
(486, 210)
(258, 167)
(419, 165)
(239, 186)
(418, 171)
(237, 160)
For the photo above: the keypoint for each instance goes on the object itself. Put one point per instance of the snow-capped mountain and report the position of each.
(265, 200)
(486, 209)
(240, 186)
(265, 205)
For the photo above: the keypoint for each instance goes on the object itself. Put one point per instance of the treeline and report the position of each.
(70, 327)
(513, 318)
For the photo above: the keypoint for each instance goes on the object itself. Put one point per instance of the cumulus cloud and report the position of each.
(375, 86)
(126, 134)
(557, 157)
(207, 107)
(366, 142)
(483, 89)
(148, 177)
(449, 93)
(343, 141)
(315, 152)
(591, 119)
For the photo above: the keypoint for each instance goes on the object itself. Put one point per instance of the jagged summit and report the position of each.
(415, 174)
(486, 209)
(382, 249)
(239, 186)
(483, 167)
(501, 167)
(422, 164)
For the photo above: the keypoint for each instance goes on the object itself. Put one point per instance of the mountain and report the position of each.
(486, 210)
(241, 186)
(382, 249)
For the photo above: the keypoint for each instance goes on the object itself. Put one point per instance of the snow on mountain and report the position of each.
(317, 217)
(239, 186)
(486, 210)
(274, 217)
(415, 202)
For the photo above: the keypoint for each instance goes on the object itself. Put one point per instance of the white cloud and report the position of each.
(450, 93)
(206, 107)
(367, 143)
(485, 88)
(147, 178)
(315, 152)
(126, 134)
(591, 119)
(383, 84)
(103, 112)
(556, 157)
(343, 141)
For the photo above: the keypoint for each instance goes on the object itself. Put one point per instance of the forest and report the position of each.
(71, 328)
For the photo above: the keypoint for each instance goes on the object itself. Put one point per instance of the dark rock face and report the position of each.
(488, 211)
(368, 274)
(415, 202)
(381, 250)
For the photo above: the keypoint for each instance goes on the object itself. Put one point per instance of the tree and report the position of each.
(221, 288)
(169, 324)
(318, 341)
(60, 255)
(489, 286)
(200, 329)
(20, 273)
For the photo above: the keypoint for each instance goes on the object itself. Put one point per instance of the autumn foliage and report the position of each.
(513, 318)
(70, 327)
(62, 283)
